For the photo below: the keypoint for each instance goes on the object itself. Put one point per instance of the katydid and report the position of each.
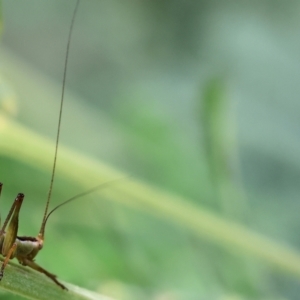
(25, 248)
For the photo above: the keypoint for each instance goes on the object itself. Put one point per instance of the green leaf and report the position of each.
(217, 120)
(33, 285)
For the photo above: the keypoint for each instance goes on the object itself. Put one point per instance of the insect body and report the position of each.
(25, 248)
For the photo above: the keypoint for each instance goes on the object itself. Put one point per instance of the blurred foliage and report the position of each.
(135, 71)
(1, 22)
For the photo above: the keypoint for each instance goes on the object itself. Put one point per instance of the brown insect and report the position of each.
(26, 248)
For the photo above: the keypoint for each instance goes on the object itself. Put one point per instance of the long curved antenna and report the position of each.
(87, 192)
(42, 230)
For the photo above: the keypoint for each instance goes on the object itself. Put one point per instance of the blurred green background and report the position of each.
(198, 98)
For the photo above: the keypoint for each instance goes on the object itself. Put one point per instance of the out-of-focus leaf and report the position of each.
(217, 122)
(1, 20)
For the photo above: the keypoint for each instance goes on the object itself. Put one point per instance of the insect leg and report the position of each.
(8, 242)
(15, 208)
(35, 266)
(7, 258)
(11, 234)
(1, 184)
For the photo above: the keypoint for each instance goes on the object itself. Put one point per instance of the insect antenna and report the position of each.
(42, 230)
(85, 193)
